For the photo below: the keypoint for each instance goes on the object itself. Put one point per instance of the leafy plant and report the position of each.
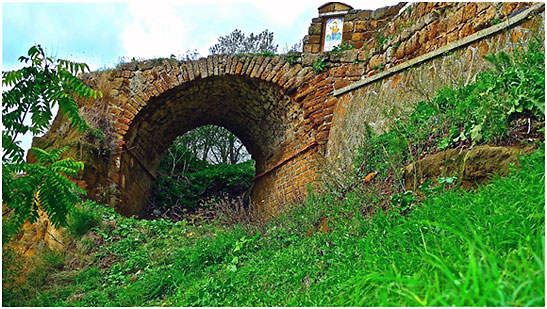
(403, 201)
(342, 47)
(43, 186)
(33, 92)
(81, 221)
(292, 59)
(320, 65)
(381, 39)
(495, 21)
(266, 53)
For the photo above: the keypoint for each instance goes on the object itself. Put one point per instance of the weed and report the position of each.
(381, 39)
(81, 221)
(293, 59)
(342, 47)
(320, 65)
(495, 21)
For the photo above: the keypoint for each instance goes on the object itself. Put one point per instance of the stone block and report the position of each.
(346, 36)
(516, 35)
(349, 55)
(455, 20)
(452, 36)
(341, 83)
(315, 29)
(350, 17)
(470, 11)
(364, 14)
(466, 30)
(348, 26)
(360, 26)
(315, 48)
(432, 30)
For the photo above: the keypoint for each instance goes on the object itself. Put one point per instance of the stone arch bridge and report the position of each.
(288, 114)
(281, 112)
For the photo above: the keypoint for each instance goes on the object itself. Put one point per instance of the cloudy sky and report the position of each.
(101, 33)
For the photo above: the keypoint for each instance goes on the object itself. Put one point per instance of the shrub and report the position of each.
(211, 182)
(81, 221)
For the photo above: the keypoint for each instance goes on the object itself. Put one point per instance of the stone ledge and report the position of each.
(445, 49)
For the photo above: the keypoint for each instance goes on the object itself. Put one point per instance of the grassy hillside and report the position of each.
(459, 248)
(442, 246)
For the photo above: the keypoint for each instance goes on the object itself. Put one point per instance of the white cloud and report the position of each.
(155, 31)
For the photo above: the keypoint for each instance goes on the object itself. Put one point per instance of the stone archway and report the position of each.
(252, 96)
(281, 111)
(260, 113)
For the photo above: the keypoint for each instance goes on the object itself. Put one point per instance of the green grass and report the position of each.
(482, 248)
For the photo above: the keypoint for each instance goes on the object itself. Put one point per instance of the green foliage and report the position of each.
(320, 65)
(381, 153)
(44, 185)
(381, 39)
(342, 47)
(194, 187)
(520, 78)
(266, 53)
(210, 143)
(188, 181)
(238, 42)
(475, 113)
(455, 248)
(379, 67)
(34, 90)
(403, 201)
(80, 221)
(495, 21)
(293, 59)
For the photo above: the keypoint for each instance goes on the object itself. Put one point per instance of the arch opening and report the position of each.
(259, 113)
(204, 171)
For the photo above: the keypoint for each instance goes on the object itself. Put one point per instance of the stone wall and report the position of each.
(397, 89)
(392, 35)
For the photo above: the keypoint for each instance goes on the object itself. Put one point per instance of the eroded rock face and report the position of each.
(471, 166)
(37, 235)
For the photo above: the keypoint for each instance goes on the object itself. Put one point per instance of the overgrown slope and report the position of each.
(441, 246)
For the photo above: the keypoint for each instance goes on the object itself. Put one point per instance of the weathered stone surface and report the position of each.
(471, 167)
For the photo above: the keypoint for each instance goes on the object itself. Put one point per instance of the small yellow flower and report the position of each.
(164, 304)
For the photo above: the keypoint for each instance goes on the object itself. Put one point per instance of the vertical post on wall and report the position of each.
(326, 31)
